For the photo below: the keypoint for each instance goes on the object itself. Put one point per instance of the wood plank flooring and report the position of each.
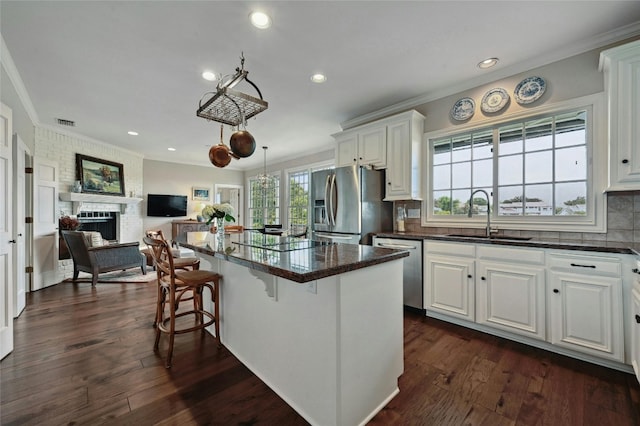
(85, 356)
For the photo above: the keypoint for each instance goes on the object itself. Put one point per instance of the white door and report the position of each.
(449, 286)
(586, 314)
(511, 297)
(6, 234)
(635, 334)
(45, 223)
(19, 227)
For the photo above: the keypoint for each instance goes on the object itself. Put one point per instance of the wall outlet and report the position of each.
(413, 213)
(311, 287)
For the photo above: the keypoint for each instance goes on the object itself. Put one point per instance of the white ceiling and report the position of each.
(117, 66)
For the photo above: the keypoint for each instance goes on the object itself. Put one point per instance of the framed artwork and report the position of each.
(200, 194)
(98, 176)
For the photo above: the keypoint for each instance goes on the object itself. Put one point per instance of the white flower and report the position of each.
(224, 210)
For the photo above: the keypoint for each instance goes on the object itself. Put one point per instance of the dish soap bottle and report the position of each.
(400, 216)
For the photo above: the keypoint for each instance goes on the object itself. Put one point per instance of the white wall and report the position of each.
(178, 179)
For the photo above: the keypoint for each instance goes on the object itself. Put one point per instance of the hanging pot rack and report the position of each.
(229, 106)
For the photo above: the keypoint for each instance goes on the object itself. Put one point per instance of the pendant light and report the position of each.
(263, 178)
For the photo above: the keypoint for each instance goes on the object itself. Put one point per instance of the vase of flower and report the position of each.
(218, 214)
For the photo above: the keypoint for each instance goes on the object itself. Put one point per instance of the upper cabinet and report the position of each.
(364, 147)
(621, 66)
(392, 143)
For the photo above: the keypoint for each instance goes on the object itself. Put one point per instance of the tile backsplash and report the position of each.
(623, 222)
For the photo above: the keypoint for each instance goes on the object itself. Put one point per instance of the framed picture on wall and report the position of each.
(99, 176)
(200, 194)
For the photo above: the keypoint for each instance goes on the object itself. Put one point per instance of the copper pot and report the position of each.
(219, 154)
(242, 143)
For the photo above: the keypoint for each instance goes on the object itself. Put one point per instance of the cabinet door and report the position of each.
(398, 162)
(586, 314)
(372, 147)
(449, 286)
(511, 297)
(635, 334)
(347, 150)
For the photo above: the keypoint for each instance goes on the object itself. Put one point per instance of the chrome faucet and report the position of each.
(488, 209)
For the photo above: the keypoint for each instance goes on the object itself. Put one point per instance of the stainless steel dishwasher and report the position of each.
(412, 270)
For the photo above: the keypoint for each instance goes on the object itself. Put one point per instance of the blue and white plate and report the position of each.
(529, 90)
(463, 109)
(494, 100)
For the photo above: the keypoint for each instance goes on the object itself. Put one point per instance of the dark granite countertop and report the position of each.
(295, 260)
(596, 246)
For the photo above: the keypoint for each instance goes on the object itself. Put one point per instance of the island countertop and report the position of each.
(297, 260)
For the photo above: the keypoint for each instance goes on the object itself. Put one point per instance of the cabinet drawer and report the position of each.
(511, 254)
(591, 265)
(457, 249)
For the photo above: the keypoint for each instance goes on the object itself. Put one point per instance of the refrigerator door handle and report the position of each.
(396, 246)
(327, 205)
(332, 200)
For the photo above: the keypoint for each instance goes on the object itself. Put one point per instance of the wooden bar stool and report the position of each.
(174, 283)
(186, 263)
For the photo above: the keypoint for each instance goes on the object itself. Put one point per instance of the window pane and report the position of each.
(571, 163)
(483, 173)
(482, 145)
(441, 202)
(459, 202)
(461, 175)
(571, 129)
(538, 200)
(538, 167)
(461, 148)
(510, 139)
(510, 200)
(538, 135)
(298, 198)
(442, 152)
(571, 199)
(442, 177)
(510, 170)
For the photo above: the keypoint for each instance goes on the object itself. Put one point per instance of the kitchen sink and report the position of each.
(492, 237)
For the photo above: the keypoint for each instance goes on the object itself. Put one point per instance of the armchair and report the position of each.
(96, 260)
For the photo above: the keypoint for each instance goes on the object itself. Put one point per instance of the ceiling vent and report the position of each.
(63, 122)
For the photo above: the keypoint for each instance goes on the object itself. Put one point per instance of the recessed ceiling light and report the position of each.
(171, 149)
(260, 20)
(132, 133)
(318, 78)
(209, 76)
(488, 63)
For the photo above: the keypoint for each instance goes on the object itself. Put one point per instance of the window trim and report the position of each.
(310, 169)
(597, 160)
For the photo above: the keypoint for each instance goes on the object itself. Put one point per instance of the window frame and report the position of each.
(287, 196)
(274, 175)
(597, 169)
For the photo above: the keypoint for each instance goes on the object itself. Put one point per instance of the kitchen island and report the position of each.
(320, 324)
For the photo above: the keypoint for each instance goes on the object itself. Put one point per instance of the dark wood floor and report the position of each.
(84, 356)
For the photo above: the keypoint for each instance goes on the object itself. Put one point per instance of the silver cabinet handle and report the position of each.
(396, 246)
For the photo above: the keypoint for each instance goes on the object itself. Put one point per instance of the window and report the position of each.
(537, 171)
(299, 198)
(264, 202)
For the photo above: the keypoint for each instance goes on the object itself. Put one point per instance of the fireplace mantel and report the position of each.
(78, 199)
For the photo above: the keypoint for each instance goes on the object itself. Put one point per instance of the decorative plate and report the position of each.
(463, 109)
(529, 90)
(494, 100)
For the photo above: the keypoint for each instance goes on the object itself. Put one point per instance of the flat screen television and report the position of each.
(160, 205)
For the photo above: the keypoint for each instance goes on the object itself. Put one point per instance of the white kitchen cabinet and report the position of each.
(404, 159)
(585, 302)
(635, 333)
(449, 285)
(510, 290)
(621, 66)
(365, 147)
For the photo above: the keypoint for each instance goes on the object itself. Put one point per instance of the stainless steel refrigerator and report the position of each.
(347, 205)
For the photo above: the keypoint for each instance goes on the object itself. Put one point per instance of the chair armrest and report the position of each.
(114, 246)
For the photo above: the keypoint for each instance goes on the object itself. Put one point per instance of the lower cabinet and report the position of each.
(635, 333)
(572, 300)
(585, 302)
(511, 297)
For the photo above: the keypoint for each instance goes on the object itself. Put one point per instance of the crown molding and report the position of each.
(11, 70)
(598, 41)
